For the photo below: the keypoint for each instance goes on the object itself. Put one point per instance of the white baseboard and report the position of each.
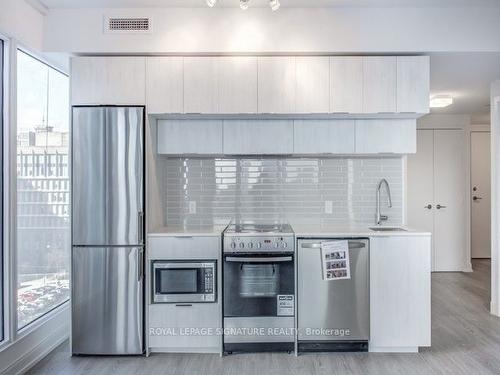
(393, 349)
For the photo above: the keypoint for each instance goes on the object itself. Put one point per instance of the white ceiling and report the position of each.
(284, 3)
(467, 77)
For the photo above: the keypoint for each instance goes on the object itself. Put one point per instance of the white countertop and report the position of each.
(335, 231)
(189, 231)
(300, 231)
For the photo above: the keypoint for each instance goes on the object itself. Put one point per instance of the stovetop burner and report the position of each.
(249, 228)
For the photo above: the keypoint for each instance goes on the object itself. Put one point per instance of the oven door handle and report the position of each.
(259, 259)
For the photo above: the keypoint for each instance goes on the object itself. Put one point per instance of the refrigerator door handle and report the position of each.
(140, 222)
(140, 262)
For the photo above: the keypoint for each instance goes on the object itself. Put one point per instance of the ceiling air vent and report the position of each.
(127, 24)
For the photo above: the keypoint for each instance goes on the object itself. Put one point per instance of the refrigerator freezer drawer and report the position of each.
(107, 300)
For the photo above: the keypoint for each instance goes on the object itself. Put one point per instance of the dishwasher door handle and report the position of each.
(352, 245)
(259, 260)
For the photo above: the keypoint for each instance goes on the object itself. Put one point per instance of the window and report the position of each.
(43, 221)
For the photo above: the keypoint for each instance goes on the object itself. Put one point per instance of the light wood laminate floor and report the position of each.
(465, 340)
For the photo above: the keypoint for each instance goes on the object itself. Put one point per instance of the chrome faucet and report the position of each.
(379, 218)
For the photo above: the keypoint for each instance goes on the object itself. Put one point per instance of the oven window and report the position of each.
(253, 288)
(178, 281)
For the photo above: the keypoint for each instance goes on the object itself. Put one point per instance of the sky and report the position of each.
(32, 93)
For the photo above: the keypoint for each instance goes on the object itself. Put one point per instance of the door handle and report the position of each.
(184, 305)
(474, 198)
(439, 206)
(429, 207)
(259, 260)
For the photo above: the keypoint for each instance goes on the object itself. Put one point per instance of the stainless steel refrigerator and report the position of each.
(108, 230)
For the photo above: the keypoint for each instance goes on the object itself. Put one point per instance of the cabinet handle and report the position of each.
(439, 206)
(184, 305)
(429, 207)
(476, 198)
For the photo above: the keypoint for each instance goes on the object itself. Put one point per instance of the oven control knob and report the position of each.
(276, 245)
(242, 245)
(284, 244)
(259, 245)
(233, 245)
(250, 245)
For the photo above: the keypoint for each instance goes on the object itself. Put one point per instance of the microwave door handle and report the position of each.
(259, 260)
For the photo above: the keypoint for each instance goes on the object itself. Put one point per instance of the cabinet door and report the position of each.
(420, 182)
(379, 84)
(312, 88)
(413, 84)
(346, 84)
(108, 80)
(237, 84)
(386, 136)
(200, 85)
(400, 293)
(276, 84)
(449, 192)
(178, 137)
(87, 74)
(248, 137)
(323, 136)
(164, 84)
(182, 317)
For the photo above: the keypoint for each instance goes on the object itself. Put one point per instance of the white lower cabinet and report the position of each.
(185, 327)
(176, 137)
(258, 137)
(400, 293)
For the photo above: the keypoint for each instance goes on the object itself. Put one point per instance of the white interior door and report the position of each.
(449, 200)
(420, 181)
(480, 195)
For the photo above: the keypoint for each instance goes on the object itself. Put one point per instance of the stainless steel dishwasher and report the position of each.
(333, 315)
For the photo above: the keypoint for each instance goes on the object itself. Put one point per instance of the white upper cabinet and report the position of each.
(237, 82)
(108, 80)
(312, 93)
(323, 136)
(276, 84)
(200, 85)
(258, 137)
(164, 84)
(398, 136)
(176, 137)
(413, 84)
(379, 84)
(346, 84)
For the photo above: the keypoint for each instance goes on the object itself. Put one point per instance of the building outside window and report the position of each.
(43, 189)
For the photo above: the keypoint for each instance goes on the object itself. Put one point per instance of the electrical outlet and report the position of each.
(328, 207)
(192, 207)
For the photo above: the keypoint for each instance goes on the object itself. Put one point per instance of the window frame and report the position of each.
(26, 329)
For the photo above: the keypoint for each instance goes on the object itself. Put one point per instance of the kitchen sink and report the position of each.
(387, 229)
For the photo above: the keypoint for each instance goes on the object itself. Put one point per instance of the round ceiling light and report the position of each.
(274, 4)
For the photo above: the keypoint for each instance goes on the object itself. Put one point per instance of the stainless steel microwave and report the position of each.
(184, 281)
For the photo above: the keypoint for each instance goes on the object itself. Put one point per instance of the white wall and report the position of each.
(495, 203)
(290, 30)
(21, 21)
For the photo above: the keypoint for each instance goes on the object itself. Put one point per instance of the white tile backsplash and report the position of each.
(277, 188)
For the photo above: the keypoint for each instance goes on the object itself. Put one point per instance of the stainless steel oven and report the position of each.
(259, 287)
(184, 281)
